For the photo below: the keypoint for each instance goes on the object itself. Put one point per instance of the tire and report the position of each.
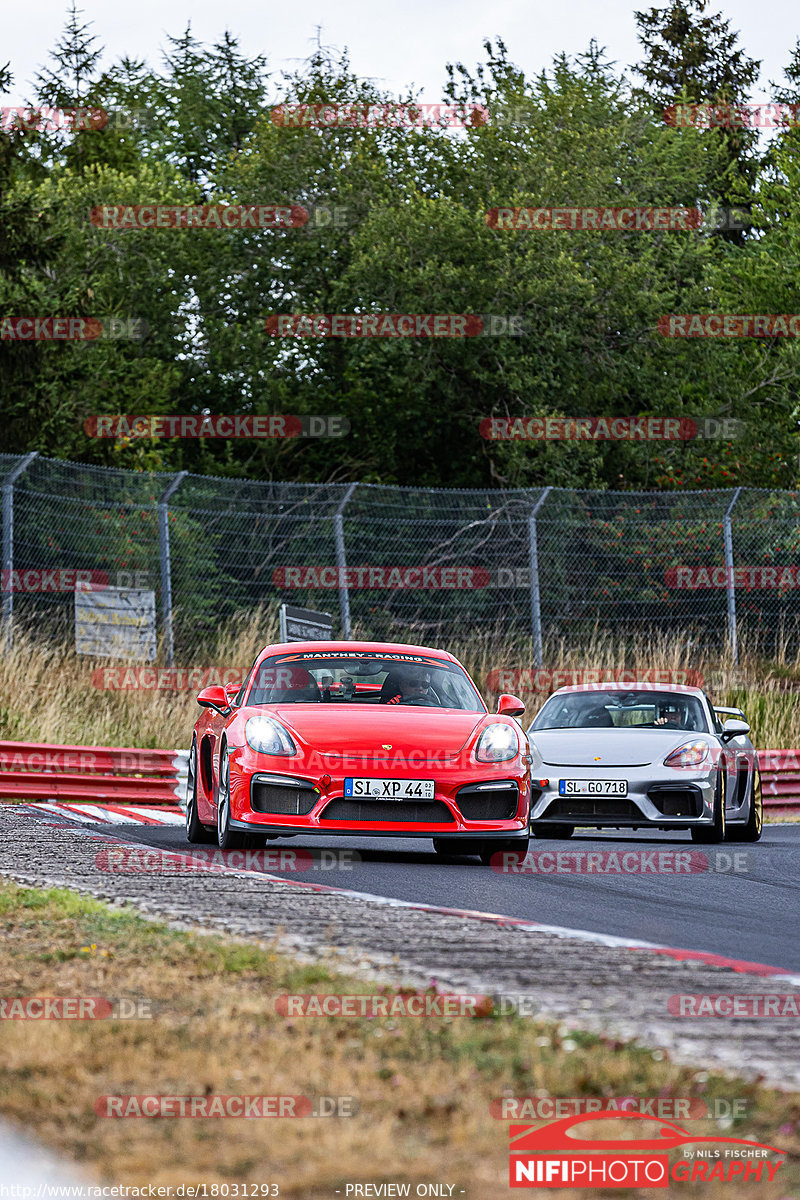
(196, 832)
(456, 848)
(559, 832)
(481, 848)
(712, 834)
(516, 845)
(751, 830)
(227, 838)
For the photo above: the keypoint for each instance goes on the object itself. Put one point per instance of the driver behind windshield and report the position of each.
(670, 718)
(408, 685)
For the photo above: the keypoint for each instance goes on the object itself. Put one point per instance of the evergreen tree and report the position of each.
(70, 85)
(693, 57)
(689, 53)
(69, 82)
(29, 246)
(207, 102)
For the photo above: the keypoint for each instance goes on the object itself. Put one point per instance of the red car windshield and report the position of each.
(420, 681)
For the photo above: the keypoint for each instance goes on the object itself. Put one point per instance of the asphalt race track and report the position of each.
(608, 954)
(750, 913)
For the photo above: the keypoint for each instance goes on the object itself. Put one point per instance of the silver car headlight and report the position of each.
(690, 754)
(267, 736)
(534, 756)
(497, 743)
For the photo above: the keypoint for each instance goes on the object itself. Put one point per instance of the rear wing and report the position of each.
(729, 712)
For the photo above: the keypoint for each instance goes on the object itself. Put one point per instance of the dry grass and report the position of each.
(48, 694)
(424, 1086)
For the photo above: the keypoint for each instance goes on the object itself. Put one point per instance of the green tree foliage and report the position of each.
(693, 57)
(397, 223)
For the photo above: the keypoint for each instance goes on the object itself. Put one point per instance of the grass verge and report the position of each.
(423, 1086)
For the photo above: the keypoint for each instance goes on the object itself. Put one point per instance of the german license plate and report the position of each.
(390, 789)
(592, 787)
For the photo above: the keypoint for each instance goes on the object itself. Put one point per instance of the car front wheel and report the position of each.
(196, 832)
(227, 838)
(751, 830)
(710, 834)
(516, 846)
(559, 832)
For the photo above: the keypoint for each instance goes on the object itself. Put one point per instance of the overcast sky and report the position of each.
(396, 44)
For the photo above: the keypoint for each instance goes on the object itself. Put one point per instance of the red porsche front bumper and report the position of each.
(470, 799)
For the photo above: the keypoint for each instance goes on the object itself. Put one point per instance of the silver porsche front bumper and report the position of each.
(667, 798)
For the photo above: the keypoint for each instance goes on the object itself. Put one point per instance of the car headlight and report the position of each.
(497, 743)
(690, 754)
(534, 756)
(268, 737)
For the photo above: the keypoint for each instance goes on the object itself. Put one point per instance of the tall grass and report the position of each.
(47, 693)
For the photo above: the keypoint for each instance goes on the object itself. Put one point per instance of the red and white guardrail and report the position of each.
(780, 778)
(112, 775)
(92, 774)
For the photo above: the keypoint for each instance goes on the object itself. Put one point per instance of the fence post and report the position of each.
(533, 575)
(341, 561)
(166, 571)
(8, 546)
(730, 586)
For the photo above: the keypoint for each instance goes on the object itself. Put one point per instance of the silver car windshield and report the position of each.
(623, 710)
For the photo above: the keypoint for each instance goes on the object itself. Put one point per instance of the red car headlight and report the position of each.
(690, 754)
(266, 736)
(497, 743)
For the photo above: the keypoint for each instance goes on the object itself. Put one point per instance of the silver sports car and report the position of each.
(607, 756)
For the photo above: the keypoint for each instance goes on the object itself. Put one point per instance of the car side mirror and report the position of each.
(214, 697)
(733, 727)
(510, 706)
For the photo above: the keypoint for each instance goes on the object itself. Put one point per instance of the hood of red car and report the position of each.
(359, 729)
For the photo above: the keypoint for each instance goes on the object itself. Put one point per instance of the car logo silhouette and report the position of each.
(557, 1137)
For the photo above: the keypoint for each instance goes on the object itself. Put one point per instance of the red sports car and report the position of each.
(360, 738)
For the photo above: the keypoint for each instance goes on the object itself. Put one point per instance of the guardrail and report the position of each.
(112, 774)
(96, 774)
(780, 777)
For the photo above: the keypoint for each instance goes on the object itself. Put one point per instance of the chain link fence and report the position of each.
(409, 564)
